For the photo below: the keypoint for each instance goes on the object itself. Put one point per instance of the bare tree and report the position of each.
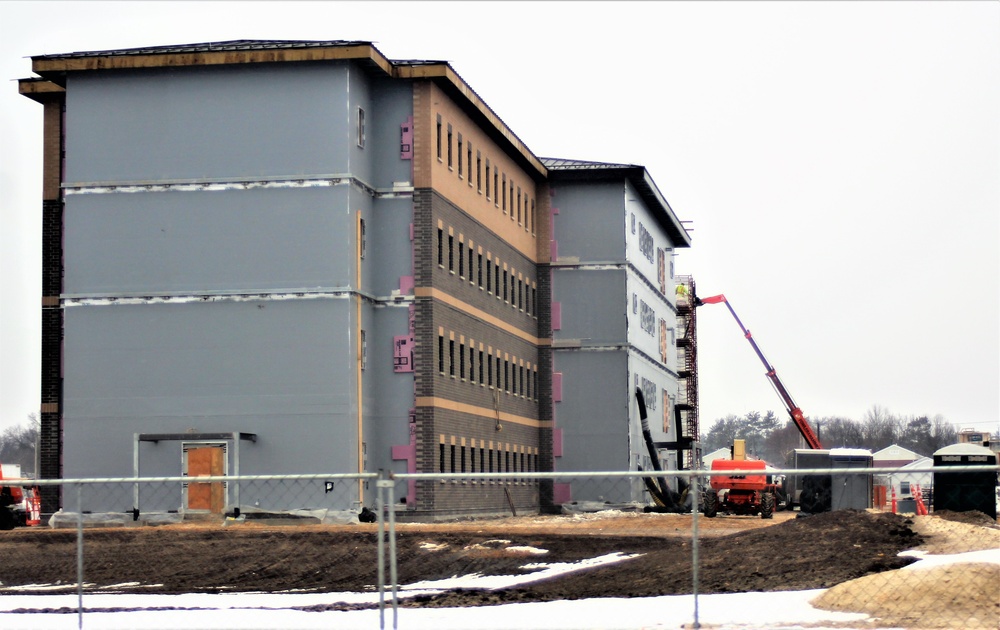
(17, 445)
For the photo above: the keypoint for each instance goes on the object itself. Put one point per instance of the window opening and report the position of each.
(449, 146)
(451, 252)
(479, 171)
(441, 354)
(364, 350)
(439, 137)
(361, 128)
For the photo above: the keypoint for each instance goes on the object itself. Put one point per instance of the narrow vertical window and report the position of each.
(496, 278)
(460, 158)
(511, 199)
(532, 216)
(468, 160)
(499, 381)
(461, 362)
(472, 364)
(489, 371)
(472, 259)
(364, 350)
(463, 459)
(439, 137)
(362, 242)
(529, 382)
(503, 193)
(451, 357)
(487, 179)
(482, 459)
(480, 271)
(520, 294)
(449, 146)
(441, 457)
(480, 367)
(472, 457)
(520, 378)
(461, 258)
(506, 376)
(496, 187)
(361, 128)
(441, 354)
(451, 252)
(519, 205)
(504, 285)
(440, 247)
(452, 458)
(479, 171)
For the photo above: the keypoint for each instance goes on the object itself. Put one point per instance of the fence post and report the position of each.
(393, 575)
(380, 517)
(79, 554)
(696, 486)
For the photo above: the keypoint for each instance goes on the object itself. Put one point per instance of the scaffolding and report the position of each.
(687, 370)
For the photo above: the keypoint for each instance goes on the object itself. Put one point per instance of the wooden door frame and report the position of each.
(185, 446)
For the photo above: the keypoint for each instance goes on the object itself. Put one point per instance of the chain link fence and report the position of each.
(532, 537)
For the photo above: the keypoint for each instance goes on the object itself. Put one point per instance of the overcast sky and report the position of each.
(839, 162)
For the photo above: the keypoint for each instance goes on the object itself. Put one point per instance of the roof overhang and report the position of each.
(54, 70)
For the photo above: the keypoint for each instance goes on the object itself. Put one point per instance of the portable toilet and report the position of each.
(965, 491)
(850, 491)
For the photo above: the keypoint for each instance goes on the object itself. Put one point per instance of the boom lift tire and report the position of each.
(767, 505)
(7, 519)
(711, 504)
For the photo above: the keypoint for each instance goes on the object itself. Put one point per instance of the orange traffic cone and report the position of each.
(919, 496)
(894, 499)
(35, 516)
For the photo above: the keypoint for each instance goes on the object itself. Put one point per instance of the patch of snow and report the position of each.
(927, 561)
(542, 571)
(526, 549)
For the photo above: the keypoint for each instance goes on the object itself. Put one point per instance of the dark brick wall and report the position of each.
(430, 316)
(50, 429)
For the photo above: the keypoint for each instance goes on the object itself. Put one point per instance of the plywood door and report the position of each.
(206, 461)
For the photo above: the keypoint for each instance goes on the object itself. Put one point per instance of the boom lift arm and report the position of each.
(794, 411)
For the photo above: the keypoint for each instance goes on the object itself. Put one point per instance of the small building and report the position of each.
(894, 455)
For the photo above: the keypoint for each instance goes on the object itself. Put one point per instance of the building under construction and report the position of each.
(279, 257)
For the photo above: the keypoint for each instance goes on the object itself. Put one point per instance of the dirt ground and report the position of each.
(852, 553)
